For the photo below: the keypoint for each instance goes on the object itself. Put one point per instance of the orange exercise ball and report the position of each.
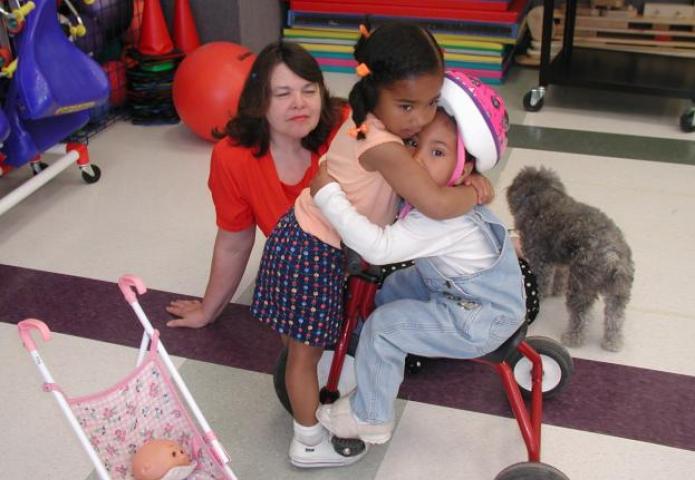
(208, 83)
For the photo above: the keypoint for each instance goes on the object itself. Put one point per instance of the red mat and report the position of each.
(511, 12)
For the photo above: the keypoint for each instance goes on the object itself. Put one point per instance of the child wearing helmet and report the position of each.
(463, 297)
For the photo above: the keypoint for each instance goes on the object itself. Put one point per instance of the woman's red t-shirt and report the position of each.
(246, 190)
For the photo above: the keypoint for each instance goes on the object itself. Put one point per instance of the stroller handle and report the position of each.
(129, 282)
(25, 327)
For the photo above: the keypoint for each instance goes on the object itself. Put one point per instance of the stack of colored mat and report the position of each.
(150, 80)
(478, 36)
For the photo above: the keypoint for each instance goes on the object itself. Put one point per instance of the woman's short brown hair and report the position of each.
(250, 128)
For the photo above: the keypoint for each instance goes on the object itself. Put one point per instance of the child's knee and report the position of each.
(300, 353)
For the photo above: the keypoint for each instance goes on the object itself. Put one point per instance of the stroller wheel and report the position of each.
(557, 366)
(531, 471)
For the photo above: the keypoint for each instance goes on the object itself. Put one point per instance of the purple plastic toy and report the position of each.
(54, 86)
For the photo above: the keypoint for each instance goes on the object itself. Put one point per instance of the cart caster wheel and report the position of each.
(531, 471)
(5, 57)
(413, 364)
(688, 121)
(38, 167)
(348, 447)
(557, 366)
(13, 26)
(92, 177)
(533, 100)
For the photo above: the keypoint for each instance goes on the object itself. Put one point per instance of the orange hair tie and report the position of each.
(363, 30)
(353, 132)
(362, 70)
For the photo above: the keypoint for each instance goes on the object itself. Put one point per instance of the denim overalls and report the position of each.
(423, 312)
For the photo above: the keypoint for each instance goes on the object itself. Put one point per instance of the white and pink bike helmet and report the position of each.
(481, 119)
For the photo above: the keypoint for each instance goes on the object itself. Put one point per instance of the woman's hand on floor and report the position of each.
(190, 313)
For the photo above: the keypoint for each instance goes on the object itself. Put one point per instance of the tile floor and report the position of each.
(151, 215)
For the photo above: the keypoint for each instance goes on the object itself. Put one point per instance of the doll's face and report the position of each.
(155, 458)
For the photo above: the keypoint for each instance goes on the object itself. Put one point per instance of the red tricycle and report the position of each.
(531, 367)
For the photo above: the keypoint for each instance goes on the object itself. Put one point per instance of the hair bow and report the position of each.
(362, 70)
(355, 131)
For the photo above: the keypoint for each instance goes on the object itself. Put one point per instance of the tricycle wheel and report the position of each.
(557, 366)
(413, 364)
(531, 471)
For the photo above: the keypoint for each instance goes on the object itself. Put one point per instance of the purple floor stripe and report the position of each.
(629, 402)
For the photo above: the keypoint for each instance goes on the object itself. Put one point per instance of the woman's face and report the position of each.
(295, 104)
(435, 148)
(406, 106)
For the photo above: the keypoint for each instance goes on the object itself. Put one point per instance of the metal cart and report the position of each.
(610, 70)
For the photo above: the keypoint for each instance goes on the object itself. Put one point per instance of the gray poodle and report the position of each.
(573, 248)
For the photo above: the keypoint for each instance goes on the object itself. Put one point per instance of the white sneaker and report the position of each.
(339, 420)
(326, 453)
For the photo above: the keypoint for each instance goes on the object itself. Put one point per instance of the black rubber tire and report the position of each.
(38, 167)
(531, 471)
(556, 361)
(348, 447)
(414, 364)
(688, 121)
(532, 107)
(91, 178)
(279, 381)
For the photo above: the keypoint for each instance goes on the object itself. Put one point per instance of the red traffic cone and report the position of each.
(154, 35)
(185, 32)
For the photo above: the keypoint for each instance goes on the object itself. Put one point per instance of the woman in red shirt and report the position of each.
(269, 154)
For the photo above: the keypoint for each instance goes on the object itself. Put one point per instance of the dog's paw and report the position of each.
(614, 344)
(572, 339)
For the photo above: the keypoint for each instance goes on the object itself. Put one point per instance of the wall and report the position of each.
(253, 23)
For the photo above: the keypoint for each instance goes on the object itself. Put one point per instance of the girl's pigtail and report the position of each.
(358, 103)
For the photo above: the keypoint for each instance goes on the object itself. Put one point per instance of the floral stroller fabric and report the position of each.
(114, 423)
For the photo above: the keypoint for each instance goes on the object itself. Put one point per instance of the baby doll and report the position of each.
(162, 460)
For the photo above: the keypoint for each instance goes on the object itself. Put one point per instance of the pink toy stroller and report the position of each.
(112, 424)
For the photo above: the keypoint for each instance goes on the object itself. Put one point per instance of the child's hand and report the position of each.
(482, 186)
(321, 179)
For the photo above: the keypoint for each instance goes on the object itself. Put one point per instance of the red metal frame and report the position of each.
(529, 420)
(360, 303)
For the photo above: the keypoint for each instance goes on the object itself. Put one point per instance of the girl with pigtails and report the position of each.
(299, 289)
